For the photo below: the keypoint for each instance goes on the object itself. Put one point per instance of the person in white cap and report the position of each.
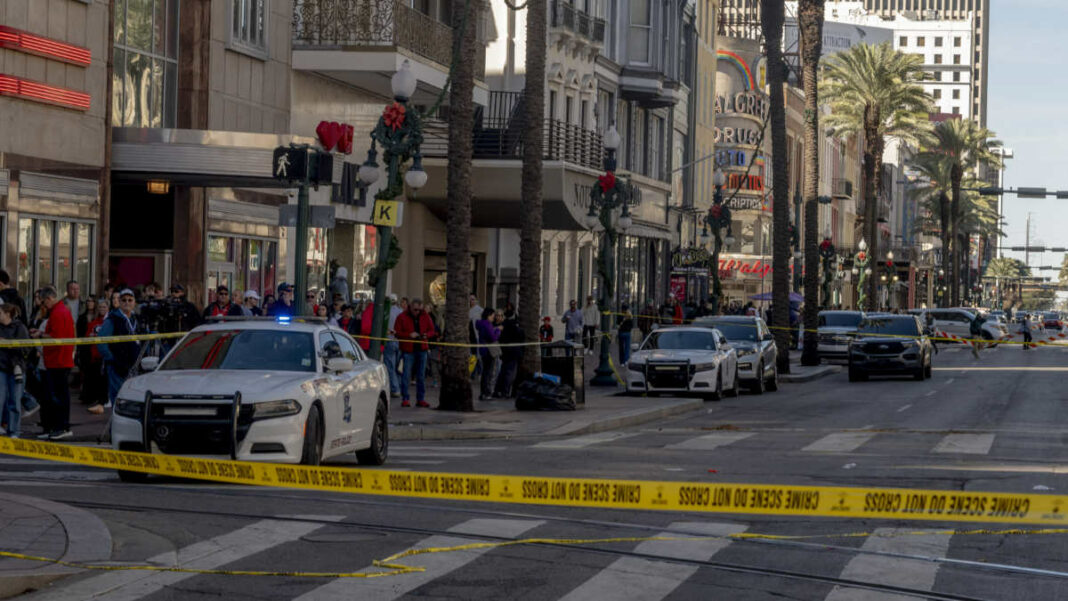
(250, 307)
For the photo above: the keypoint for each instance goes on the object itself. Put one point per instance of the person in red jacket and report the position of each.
(58, 361)
(414, 328)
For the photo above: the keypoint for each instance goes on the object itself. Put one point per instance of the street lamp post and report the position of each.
(860, 268)
(609, 194)
(718, 217)
(828, 253)
(399, 131)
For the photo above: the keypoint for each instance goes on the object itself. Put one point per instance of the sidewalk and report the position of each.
(33, 526)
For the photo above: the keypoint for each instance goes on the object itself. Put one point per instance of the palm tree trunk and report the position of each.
(943, 201)
(455, 378)
(810, 19)
(873, 166)
(877, 182)
(954, 282)
(772, 16)
(531, 198)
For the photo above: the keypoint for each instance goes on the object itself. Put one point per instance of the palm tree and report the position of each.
(810, 24)
(455, 378)
(966, 145)
(874, 91)
(772, 17)
(1005, 268)
(531, 193)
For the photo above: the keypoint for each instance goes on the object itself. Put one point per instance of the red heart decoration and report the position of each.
(329, 133)
(345, 144)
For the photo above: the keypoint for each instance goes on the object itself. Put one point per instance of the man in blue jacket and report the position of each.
(119, 357)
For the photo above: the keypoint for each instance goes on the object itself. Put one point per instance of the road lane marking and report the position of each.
(906, 407)
(443, 449)
(411, 453)
(950, 381)
(643, 579)
(414, 461)
(435, 565)
(971, 444)
(206, 555)
(839, 442)
(931, 393)
(710, 441)
(916, 574)
(580, 442)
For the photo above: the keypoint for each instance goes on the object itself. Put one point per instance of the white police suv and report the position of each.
(285, 391)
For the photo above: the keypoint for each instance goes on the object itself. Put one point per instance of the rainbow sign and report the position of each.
(734, 59)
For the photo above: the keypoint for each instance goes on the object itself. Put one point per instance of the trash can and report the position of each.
(565, 360)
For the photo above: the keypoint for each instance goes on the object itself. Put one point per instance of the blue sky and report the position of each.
(1028, 110)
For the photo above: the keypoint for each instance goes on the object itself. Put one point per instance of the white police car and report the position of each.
(684, 360)
(285, 391)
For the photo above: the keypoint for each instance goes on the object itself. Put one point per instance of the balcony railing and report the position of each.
(566, 16)
(502, 139)
(375, 24)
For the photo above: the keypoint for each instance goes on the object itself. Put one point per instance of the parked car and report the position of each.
(1052, 321)
(890, 345)
(755, 346)
(836, 330)
(684, 360)
(257, 390)
(958, 321)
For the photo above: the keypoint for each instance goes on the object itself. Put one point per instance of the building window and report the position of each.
(976, 111)
(920, 41)
(903, 41)
(243, 264)
(956, 94)
(956, 59)
(956, 42)
(937, 75)
(656, 146)
(938, 59)
(569, 117)
(956, 76)
(51, 253)
(641, 27)
(937, 93)
(938, 42)
(584, 108)
(552, 105)
(248, 27)
(145, 78)
(956, 110)
(977, 58)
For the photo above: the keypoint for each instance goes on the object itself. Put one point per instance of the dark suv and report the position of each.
(890, 345)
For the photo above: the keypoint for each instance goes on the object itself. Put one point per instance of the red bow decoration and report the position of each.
(394, 116)
(889, 263)
(607, 181)
(861, 256)
(716, 211)
(825, 244)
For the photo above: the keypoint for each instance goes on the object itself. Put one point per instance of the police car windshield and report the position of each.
(261, 350)
(680, 340)
(733, 330)
(893, 326)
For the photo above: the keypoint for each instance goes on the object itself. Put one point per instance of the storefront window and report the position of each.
(317, 259)
(241, 264)
(50, 255)
(255, 259)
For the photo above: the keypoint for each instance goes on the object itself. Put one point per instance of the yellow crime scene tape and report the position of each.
(754, 499)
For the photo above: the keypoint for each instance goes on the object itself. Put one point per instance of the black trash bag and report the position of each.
(544, 395)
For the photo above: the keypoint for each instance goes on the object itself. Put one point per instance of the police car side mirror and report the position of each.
(340, 364)
(149, 363)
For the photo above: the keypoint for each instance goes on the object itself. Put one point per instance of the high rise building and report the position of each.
(975, 11)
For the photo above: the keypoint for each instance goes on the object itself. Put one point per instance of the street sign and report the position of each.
(387, 213)
(321, 216)
(1030, 193)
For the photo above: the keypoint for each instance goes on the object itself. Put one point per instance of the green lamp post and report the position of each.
(718, 219)
(860, 268)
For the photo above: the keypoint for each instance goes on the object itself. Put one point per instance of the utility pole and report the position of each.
(1027, 242)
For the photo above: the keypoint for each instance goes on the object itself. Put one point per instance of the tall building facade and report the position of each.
(974, 13)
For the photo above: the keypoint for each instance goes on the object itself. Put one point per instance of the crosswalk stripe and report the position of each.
(436, 565)
(710, 441)
(972, 444)
(207, 555)
(649, 580)
(839, 442)
(582, 441)
(916, 574)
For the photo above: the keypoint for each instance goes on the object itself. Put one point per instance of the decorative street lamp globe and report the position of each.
(368, 172)
(612, 138)
(403, 83)
(729, 240)
(416, 176)
(625, 222)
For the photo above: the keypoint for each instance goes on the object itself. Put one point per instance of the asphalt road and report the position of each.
(996, 424)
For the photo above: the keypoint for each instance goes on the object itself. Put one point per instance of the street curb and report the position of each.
(575, 427)
(88, 540)
(815, 374)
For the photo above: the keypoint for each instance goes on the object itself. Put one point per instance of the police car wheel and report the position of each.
(312, 452)
(377, 453)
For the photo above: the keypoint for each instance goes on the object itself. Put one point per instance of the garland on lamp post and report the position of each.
(718, 217)
(828, 253)
(400, 132)
(606, 196)
(860, 267)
